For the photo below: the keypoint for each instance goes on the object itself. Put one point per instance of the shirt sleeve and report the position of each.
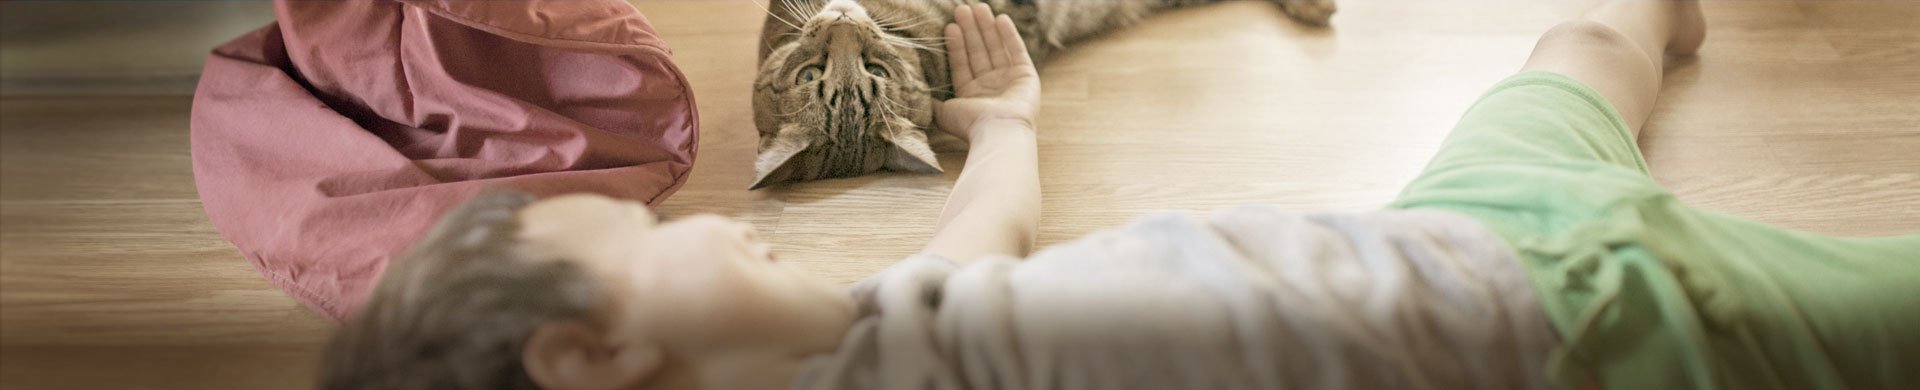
(865, 291)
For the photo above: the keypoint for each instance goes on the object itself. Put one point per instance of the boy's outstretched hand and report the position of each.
(993, 77)
(994, 208)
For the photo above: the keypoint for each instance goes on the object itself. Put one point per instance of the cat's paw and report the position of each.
(1312, 12)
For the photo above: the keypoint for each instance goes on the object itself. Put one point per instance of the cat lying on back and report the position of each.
(847, 88)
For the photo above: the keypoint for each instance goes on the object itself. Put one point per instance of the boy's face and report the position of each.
(696, 285)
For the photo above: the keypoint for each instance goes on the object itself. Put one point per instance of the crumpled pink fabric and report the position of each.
(325, 143)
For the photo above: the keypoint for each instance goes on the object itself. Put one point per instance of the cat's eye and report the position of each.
(808, 75)
(876, 70)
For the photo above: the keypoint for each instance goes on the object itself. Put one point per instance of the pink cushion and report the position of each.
(327, 142)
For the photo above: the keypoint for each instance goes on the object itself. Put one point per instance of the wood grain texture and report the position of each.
(55, 48)
(1796, 113)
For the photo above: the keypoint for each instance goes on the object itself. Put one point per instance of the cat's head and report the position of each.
(844, 94)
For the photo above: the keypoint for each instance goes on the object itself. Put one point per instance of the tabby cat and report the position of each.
(847, 88)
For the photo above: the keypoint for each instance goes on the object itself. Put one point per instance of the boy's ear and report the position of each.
(910, 152)
(570, 355)
(773, 165)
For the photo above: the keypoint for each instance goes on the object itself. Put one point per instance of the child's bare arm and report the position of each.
(995, 205)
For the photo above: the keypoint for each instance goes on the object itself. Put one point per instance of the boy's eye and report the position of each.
(808, 75)
(876, 70)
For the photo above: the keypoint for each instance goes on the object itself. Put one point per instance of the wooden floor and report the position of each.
(1802, 114)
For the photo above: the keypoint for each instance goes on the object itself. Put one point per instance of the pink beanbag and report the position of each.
(325, 143)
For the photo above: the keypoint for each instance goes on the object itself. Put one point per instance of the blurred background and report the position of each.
(1800, 113)
(115, 47)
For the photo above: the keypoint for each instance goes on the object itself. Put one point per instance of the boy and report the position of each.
(1534, 252)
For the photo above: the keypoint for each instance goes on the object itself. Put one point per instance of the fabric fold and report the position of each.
(324, 143)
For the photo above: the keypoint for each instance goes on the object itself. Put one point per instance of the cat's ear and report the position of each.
(774, 164)
(910, 152)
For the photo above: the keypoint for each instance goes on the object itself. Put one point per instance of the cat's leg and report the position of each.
(1312, 12)
(1049, 25)
(1620, 48)
(1053, 24)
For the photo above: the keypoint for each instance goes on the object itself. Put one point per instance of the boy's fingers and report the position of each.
(1016, 48)
(976, 50)
(984, 20)
(957, 57)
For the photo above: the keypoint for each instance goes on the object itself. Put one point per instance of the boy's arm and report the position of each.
(995, 205)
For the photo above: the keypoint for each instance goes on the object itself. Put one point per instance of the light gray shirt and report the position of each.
(1251, 298)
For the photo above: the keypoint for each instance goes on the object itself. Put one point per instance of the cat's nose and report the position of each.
(844, 8)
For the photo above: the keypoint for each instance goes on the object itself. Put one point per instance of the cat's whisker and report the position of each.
(795, 9)
(888, 104)
(911, 44)
(796, 110)
(891, 26)
(894, 23)
(803, 7)
(932, 39)
(927, 89)
(773, 15)
(896, 39)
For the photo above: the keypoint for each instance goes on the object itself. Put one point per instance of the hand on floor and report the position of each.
(993, 76)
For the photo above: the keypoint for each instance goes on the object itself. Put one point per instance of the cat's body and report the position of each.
(846, 88)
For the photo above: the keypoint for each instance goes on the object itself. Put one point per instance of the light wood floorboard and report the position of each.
(1804, 114)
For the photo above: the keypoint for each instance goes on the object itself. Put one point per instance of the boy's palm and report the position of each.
(1007, 93)
(993, 76)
